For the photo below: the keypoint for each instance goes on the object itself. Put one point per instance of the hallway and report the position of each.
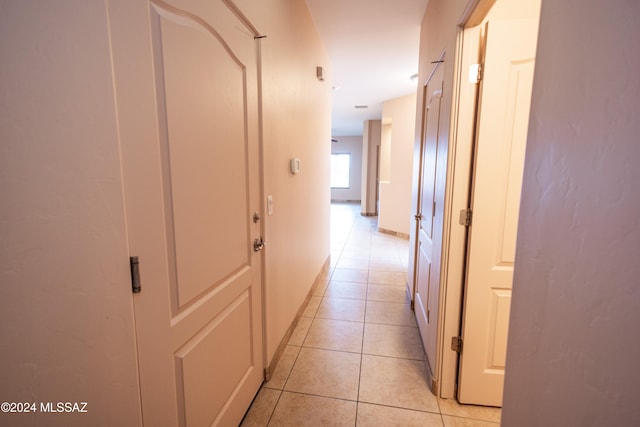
(355, 357)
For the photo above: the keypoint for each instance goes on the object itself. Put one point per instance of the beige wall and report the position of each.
(385, 152)
(514, 9)
(66, 315)
(297, 124)
(371, 137)
(398, 117)
(573, 349)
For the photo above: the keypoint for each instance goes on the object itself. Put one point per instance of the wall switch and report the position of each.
(270, 205)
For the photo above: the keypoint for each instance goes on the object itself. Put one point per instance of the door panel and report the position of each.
(189, 138)
(427, 290)
(199, 146)
(205, 391)
(497, 179)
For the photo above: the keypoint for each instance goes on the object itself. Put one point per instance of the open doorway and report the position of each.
(346, 168)
(496, 179)
(487, 344)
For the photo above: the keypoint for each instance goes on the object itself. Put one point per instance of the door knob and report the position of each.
(258, 245)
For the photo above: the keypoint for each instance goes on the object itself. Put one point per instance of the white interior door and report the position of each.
(499, 159)
(427, 289)
(186, 83)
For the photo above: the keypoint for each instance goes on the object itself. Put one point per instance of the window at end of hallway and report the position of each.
(340, 165)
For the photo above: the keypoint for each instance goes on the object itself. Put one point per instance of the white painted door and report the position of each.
(186, 83)
(427, 289)
(499, 159)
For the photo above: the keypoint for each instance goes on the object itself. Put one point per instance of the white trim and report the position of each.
(243, 18)
(474, 13)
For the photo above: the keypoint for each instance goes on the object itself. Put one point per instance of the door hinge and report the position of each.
(134, 263)
(475, 73)
(456, 344)
(465, 217)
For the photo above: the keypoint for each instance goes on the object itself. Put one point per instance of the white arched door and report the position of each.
(186, 86)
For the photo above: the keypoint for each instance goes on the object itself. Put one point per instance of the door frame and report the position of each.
(458, 188)
(258, 36)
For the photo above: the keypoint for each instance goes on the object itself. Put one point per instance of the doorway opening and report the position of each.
(466, 158)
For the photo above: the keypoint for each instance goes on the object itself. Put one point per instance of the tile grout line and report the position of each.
(364, 328)
(274, 407)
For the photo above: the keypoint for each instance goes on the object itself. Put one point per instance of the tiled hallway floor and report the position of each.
(355, 358)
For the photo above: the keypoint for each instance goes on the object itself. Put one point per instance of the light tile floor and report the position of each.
(356, 358)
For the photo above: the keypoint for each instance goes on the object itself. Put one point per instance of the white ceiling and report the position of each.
(373, 46)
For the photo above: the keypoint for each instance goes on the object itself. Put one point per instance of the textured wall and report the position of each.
(573, 342)
(66, 316)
